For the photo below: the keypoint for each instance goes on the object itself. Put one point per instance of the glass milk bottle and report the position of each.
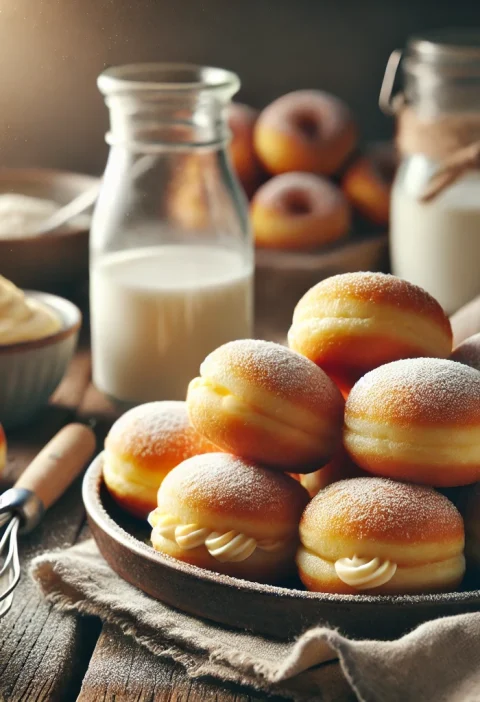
(171, 255)
(435, 213)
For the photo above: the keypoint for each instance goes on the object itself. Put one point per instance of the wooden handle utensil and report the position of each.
(59, 463)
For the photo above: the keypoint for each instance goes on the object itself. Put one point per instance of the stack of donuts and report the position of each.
(300, 163)
(299, 159)
(334, 458)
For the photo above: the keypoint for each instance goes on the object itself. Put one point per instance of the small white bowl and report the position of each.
(30, 371)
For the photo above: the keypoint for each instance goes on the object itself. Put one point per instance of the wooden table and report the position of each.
(45, 655)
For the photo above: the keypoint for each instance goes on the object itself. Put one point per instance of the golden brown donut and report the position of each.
(299, 211)
(367, 182)
(417, 420)
(241, 120)
(382, 537)
(3, 449)
(231, 516)
(472, 529)
(142, 447)
(306, 130)
(468, 352)
(261, 401)
(354, 322)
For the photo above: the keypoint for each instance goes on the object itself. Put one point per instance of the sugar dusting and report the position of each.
(278, 370)
(380, 288)
(316, 193)
(156, 428)
(236, 486)
(427, 390)
(383, 508)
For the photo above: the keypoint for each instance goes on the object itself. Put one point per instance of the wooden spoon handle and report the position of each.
(58, 463)
(466, 321)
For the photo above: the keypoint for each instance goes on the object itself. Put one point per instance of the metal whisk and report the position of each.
(40, 485)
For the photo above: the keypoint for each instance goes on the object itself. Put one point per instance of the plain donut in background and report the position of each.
(466, 321)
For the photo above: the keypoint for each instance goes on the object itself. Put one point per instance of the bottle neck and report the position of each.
(157, 122)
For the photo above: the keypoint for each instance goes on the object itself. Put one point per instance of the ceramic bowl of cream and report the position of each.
(38, 336)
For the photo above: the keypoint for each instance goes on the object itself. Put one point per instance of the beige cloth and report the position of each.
(438, 662)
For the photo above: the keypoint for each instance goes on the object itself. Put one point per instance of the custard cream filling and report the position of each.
(294, 418)
(364, 573)
(22, 318)
(228, 547)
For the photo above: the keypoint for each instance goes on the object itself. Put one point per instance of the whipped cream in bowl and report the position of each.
(23, 317)
(38, 336)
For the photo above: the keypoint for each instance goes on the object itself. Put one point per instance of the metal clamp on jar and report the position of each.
(435, 213)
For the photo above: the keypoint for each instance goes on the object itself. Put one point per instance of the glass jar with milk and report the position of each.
(171, 260)
(435, 214)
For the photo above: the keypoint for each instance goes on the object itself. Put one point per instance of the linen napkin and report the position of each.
(437, 662)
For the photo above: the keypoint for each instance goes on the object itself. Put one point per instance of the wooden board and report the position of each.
(120, 670)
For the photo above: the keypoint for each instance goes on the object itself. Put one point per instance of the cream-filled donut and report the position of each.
(354, 322)
(378, 536)
(417, 420)
(299, 211)
(231, 516)
(261, 401)
(142, 447)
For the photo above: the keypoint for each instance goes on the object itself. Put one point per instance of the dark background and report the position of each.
(52, 51)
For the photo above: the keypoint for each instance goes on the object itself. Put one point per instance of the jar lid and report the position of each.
(452, 48)
(441, 66)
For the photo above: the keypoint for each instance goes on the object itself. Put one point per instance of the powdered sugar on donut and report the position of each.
(318, 195)
(275, 369)
(232, 485)
(154, 429)
(421, 390)
(383, 509)
(379, 288)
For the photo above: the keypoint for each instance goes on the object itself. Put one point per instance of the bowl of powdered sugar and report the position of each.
(50, 261)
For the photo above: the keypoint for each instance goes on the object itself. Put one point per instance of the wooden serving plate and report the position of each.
(278, 612)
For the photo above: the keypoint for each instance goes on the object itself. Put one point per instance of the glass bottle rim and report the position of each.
(171, 78)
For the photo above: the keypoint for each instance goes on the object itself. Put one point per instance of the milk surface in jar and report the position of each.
(159, 311)
(171, 250)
